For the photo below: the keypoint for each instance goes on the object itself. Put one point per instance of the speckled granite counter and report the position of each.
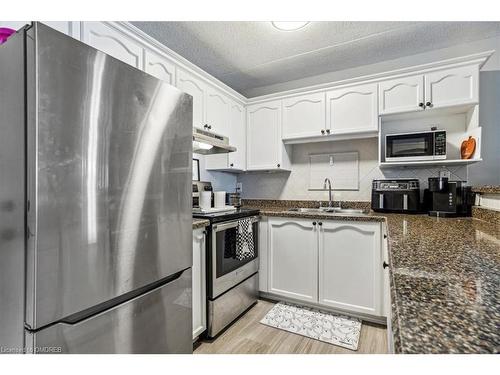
(200, 223)
(487, 189)
(445, 280)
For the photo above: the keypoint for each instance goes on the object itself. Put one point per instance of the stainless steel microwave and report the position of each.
(426, 145)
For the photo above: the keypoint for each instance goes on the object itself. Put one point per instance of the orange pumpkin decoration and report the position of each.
(468, 147)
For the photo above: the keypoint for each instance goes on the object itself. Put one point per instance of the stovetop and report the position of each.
(218, 217)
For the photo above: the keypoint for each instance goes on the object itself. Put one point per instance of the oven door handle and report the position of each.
(232, 224)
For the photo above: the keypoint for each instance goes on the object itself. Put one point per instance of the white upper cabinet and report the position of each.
(304, 116)
(293, 259)
(404, 94)
(265, 149)
(350, 266)
(112, 42)
(159, 67)
(233, 161)
(217, 111)
(237, 137)
(196, 88)
(450, 87)
(352, 110)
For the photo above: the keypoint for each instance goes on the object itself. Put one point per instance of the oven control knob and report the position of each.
(314, 223)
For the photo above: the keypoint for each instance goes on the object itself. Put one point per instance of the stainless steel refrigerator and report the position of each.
(95, 202)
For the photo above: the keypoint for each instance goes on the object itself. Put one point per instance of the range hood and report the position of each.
(207, 143)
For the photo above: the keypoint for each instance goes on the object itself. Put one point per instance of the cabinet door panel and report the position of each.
(452, 86)
(159, 67)
(263, 135)
(350, 267)
(237, 137)
(217, 112)
(401, 95)
(112, 42)
(304, 116)
(293, 259)
(194, 87)
(199, 291)
(353, 109)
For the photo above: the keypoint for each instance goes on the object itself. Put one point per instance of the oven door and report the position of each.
(408, 147)
(226, 268)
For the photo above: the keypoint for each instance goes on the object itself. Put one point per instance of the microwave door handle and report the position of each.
(232, 224)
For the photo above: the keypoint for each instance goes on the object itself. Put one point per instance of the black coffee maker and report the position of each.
(446, 198)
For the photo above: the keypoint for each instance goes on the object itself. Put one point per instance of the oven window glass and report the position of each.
(225, 244)
(409, 145)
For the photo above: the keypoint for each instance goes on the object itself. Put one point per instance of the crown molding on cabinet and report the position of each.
(476, 58)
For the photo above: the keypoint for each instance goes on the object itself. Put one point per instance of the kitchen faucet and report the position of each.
(330, 197)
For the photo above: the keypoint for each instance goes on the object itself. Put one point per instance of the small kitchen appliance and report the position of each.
(399, 196)
(446, 198)
(416, 146)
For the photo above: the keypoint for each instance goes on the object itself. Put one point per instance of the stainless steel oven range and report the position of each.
(232, 281)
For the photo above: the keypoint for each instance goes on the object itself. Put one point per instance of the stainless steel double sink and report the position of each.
(330, 210)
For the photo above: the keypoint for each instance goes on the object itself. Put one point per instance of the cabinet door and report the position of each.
(352, 110)
(304, 116)
(264, 136)
(237, 137)
(159, 67)
(199, 284)
(112, 42)
(350, 266)
(217, 112)
(69, 28)
(293, 259)
(194, 87)
(401, 95)
(451, 87)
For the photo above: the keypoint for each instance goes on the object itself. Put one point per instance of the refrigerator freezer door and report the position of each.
(156, 322)
(109, 178)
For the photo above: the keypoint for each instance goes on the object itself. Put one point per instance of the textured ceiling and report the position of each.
(247, 55)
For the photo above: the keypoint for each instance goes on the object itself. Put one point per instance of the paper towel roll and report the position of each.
(205, 199)
(219, 199)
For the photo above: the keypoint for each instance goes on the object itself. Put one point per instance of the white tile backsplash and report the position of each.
(294, 184)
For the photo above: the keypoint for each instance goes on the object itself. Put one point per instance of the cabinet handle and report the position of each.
(231, 165)
(205, 126)
(322, 132)
(385, 265)
(328, 131)
(320, 223)
(278, 165)
(314, 223)
(421, 105)
(428, 104)
(385, 235)
(209, 127)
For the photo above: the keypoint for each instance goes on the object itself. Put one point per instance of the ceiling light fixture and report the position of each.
(289, 25)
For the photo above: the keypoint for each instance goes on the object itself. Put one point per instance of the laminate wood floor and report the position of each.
(248, 336)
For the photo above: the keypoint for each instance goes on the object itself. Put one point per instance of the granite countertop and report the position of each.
(200, 223)
(487, 189)
(444, 278)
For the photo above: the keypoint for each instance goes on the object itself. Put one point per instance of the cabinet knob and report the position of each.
(322, 131)
(428, 104)
(314, 223)
(320, 223)
(421, 105)
(231, 165)
(278, 165)
(385, 265)
(205, 126)
(209, 126)
(328, 131)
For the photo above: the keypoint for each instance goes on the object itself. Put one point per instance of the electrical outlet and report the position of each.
(239, 187)
(445, 174)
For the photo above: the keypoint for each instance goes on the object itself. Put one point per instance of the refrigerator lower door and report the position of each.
(156, 322)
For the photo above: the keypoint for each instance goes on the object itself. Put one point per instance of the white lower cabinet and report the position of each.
(293, 259)
(350, 266)
(199, 283)
(335, 264)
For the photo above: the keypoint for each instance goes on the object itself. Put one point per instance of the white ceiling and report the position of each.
(247, 55)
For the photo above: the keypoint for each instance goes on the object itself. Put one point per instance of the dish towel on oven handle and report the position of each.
(244, 240)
